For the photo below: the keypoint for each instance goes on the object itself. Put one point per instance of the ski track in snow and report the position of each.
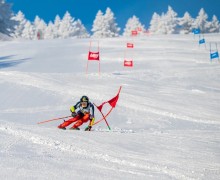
(84, 153)
(34, 80)
(50, 84)
(165, 130)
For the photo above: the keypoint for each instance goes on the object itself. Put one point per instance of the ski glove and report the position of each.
(72, 109)
(73, 114)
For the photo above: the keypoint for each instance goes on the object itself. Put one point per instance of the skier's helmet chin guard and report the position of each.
(84, 101)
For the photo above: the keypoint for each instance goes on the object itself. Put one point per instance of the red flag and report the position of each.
(113, 101)
(128, 63)
(134, 33)
(130, 45)
(93, 56)
(100, 106)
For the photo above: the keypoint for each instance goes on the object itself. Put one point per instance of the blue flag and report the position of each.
(214, 55)
(202, 41)
(196, 31)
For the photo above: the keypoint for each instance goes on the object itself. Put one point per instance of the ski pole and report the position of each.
(53, 119)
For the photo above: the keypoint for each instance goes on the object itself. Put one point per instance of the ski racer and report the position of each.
(82, 112)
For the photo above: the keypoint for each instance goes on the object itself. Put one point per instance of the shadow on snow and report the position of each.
(6, 61)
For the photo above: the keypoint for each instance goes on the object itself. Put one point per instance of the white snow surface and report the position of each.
(166, 124)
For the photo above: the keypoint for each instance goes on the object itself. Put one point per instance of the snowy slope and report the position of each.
(165, 126)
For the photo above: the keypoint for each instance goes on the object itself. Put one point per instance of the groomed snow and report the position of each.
(166, 124)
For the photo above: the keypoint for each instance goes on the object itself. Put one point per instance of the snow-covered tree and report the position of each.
(98, 27)
(109, 18)
(154, 23)
(166, 23)
(214, 25)
(57, 23)
(162, 25)
(104, 25)
(186, 23)
(170, 21)
(39, 26)
(7, 24)
(19, 28)
(29, 31)
(49, 31)
(133, 23)
(80, 30)
(201, 21)
(66, 26)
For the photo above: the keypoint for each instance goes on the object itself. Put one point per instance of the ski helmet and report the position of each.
(84, 99)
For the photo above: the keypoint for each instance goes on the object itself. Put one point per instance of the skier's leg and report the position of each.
(68, 122)
(77, 124)
(84, 119)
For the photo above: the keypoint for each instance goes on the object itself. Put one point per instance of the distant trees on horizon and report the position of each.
(170, 23)
(104, 25)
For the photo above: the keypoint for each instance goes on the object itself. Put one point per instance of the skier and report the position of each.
(84, 114)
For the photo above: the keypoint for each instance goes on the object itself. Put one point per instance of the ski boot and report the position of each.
(60, 127)
(72, 128)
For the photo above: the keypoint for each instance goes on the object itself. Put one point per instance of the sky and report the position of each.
(86, 10)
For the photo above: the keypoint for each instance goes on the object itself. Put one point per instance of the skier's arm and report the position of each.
(92, 117)
(73, 108)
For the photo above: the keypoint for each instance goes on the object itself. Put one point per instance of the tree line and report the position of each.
(104, 25)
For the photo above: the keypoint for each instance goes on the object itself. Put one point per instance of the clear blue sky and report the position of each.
(86, 10)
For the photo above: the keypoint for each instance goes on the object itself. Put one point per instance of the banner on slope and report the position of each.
(130, 45)
(93, 56)
(202, 41)
(112, 102)
(196, 31)
(134, 33)
(128, 54)
(214, 53)
(128, 63)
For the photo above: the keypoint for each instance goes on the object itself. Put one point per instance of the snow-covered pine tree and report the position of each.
(186, 24)
(7, 24)
(154, 23)
(98, 27)
(39, 26)
(57, 24)
(80, 30)
(19, 28)
(132, 24)
(29, 31)
(201, 21)
(49, 31)
(214, 25)
(162, 24)
(113, 30)
(170, 21)
(66, 26)
(104, 25)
